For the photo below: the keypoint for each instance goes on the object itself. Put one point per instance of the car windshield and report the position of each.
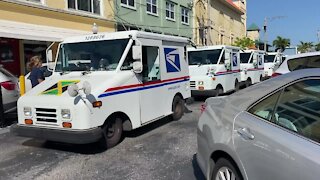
(245, 57)
(204, 57)
(90, 56)
(304, 63)
(269, 58)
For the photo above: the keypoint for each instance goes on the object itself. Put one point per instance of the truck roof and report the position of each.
(201, 48)
(123, 35)
(252, 50)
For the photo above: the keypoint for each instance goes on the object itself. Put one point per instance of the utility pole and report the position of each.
(265, 24)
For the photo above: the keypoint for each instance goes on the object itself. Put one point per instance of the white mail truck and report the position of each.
(251, 66)
(133, 78)
(272, 61)
(214, 70)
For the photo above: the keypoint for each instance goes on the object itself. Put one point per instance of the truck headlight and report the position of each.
(65, 113)
(27, 111)
(200, 83)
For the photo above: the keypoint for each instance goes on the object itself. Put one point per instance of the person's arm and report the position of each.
(40, 76)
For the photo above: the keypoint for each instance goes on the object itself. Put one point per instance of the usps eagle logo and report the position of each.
(172, 60)
(235, 60)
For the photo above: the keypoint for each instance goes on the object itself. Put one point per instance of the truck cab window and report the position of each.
(151, 65)
(128, 62)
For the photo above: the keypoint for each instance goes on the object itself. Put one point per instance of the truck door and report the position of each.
(151, 98)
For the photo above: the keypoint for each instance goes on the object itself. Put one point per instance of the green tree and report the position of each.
(305, 46)
(281, 43)
(244, 43)
(317, 47)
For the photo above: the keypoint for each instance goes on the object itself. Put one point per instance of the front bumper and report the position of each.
(212, 92)
(58, 135)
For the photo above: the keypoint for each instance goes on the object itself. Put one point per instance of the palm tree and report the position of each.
(305, 46)
(281, 43)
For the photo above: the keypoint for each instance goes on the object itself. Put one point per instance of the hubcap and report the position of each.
(225, 173)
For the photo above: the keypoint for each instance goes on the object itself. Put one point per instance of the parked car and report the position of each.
(9, 89)
(299, 61)
(270, 130)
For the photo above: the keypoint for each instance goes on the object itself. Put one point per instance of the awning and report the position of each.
(18, 30)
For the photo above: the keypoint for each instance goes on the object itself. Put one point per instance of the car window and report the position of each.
(265, 108)
(298, 109)
(304, 62)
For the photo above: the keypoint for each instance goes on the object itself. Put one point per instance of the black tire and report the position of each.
(236, 86)
(219, 91)
(248, 82)
(177, 108)
(112, 132)
(223, 164)
(261, 78)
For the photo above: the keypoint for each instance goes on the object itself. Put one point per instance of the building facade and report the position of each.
(172, 17)
(219, 22)
(28, 27)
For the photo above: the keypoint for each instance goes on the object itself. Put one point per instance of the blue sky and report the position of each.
(301, 21)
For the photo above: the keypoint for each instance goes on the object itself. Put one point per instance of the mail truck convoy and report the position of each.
(133, 78)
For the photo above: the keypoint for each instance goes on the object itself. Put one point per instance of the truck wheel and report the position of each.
(177, 108)
(219, 91)
(236, 86)
(248, 82)
(112, 133)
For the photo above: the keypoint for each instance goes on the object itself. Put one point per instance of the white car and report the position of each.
(299, 61)
(9, 89)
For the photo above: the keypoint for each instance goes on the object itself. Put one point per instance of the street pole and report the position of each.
(265, 34)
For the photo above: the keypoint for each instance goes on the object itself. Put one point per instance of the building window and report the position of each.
(152, 7)
(129, 3)
(184, 15)
(170, 10)
(92, 6)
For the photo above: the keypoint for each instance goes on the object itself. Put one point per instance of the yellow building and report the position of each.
(28, 27)
(219, 22)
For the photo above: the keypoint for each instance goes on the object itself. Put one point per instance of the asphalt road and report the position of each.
(163, 150)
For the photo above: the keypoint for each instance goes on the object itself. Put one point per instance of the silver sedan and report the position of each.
(268, 131)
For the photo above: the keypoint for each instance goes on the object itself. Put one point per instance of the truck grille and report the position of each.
(192, 84)
(46, 115)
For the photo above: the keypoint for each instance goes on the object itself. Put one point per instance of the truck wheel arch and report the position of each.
(127, 125)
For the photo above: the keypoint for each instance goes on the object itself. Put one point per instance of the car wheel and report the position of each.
(112, 133)
(225, 170)
(177, 108)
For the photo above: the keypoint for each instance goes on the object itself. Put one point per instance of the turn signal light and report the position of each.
(213, 79)
(28, 121)
(201, 88)
(97, 104)
(66, 125)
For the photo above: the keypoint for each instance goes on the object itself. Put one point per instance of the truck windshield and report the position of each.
(90, 56)
(204, 57)
(269, 58)
(245, 57)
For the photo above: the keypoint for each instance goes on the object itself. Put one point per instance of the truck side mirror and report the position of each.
(136, 53)
(137, 67)
(50, 56)
(255, 60)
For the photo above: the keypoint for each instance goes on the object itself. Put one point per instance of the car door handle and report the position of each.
(245, 133)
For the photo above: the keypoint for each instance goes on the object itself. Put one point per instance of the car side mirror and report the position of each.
(227, 64)
(137, 67)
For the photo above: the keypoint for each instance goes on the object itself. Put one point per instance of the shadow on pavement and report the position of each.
(196, 169)
(94, 148)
